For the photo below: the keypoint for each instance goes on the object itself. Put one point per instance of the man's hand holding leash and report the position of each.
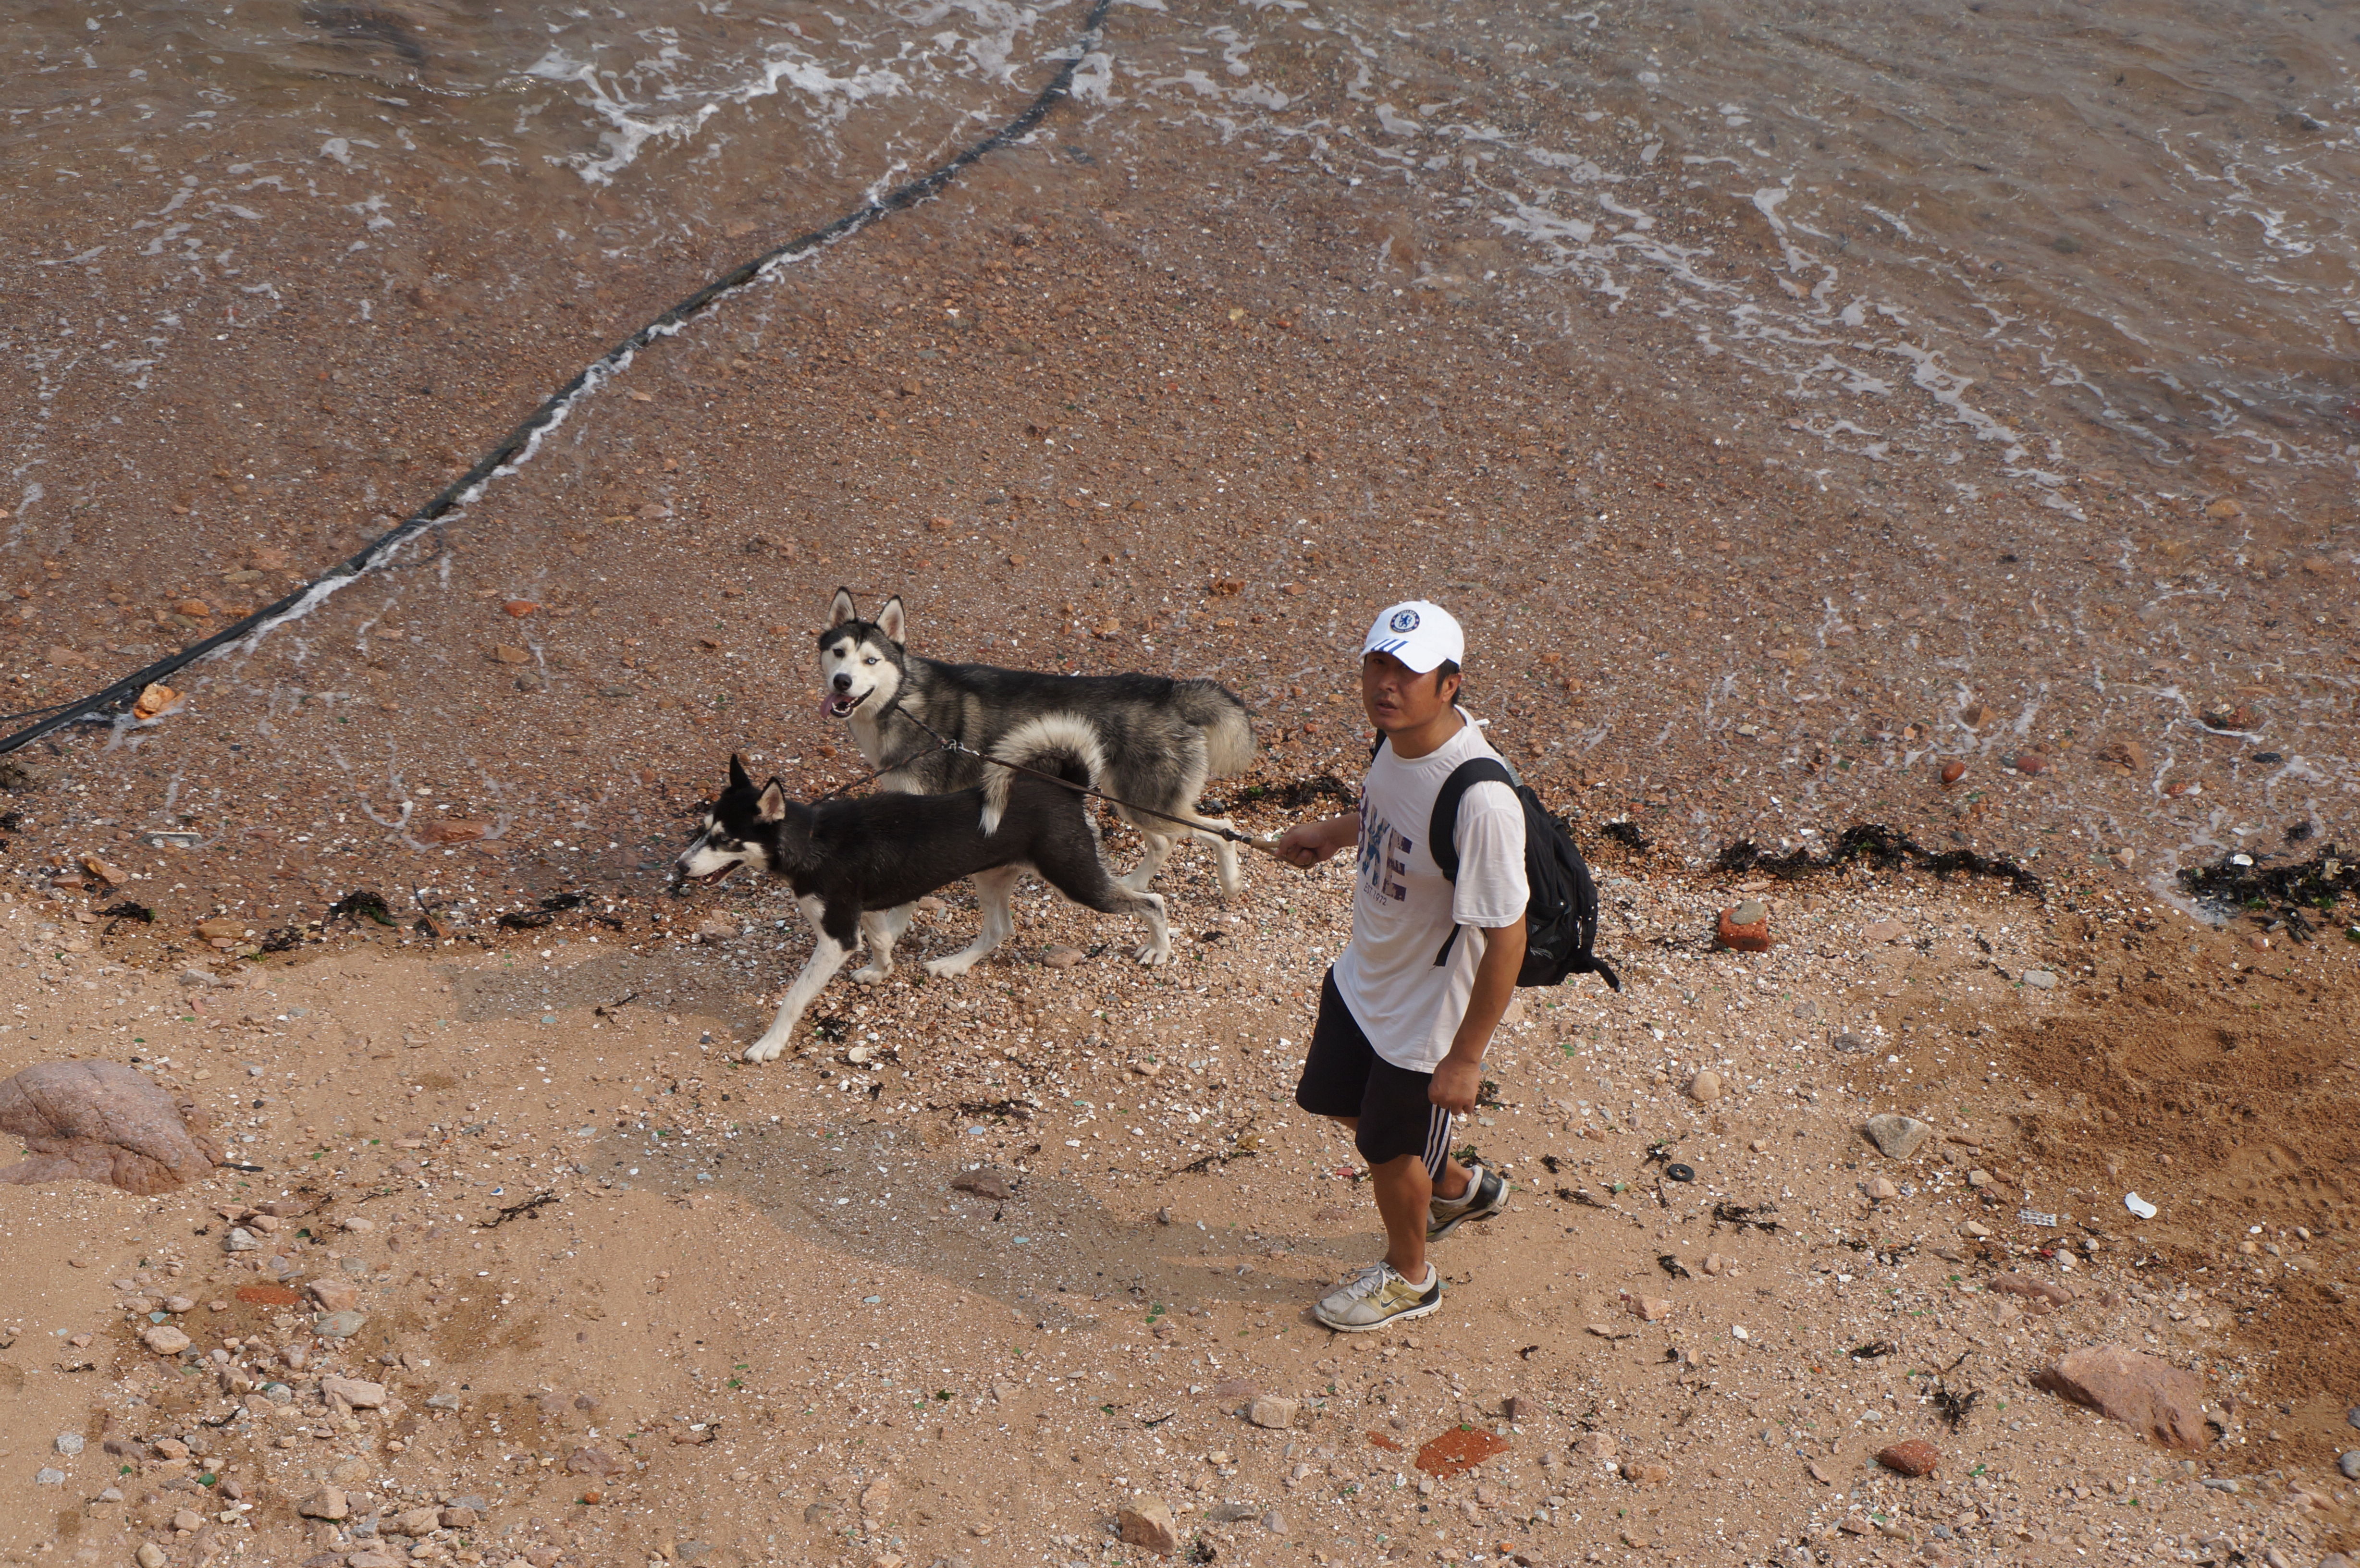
(1306, 845)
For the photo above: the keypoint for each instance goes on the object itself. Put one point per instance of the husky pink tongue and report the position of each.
(827, 707)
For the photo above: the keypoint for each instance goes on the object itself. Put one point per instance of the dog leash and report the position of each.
(939, 745)
(1268, 845)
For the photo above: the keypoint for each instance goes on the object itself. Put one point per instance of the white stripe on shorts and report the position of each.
(1437, 1140)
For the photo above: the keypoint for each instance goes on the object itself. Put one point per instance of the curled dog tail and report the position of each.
(1221, 716)
(1066, 744)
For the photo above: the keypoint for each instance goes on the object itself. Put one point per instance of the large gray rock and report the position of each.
(1897, 1137)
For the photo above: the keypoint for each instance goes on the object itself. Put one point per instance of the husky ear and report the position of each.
(738, 778)
(771, 806)
(840, 610)
(893, 620)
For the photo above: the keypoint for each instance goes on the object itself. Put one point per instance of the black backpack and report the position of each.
(1561, 920)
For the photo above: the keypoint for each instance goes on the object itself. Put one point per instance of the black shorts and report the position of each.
(1344, 1076)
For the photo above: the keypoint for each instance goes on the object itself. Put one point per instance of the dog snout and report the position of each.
(843, 682)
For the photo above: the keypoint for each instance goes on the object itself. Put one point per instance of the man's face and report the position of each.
(1399, 697)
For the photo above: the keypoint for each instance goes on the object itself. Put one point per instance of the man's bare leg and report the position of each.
(1404, 1194)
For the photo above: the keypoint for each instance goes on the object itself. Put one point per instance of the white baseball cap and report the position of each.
(1422, 634)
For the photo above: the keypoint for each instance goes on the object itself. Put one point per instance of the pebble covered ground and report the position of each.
(552, 1277)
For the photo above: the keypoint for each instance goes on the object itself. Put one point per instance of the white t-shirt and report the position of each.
(1404, 909)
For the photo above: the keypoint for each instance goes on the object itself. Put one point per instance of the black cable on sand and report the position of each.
(468, 484)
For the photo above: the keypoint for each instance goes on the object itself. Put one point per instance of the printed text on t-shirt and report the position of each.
(1384, 857)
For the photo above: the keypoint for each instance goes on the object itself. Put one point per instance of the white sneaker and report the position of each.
(1376, 1296)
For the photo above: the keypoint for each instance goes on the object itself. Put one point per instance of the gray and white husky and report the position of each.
(1157, 741)
(857, 864)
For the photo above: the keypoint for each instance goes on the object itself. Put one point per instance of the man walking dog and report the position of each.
(1408, 1010)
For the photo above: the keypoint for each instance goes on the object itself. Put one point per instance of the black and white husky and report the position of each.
(1156, 742)
(858, 866)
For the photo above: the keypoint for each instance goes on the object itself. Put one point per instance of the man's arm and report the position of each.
(1308, 843)
(1460, 1073)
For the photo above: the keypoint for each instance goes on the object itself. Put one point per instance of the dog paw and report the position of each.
(871, 974)
(1151, 954)
(765, 1050)
(949, 968)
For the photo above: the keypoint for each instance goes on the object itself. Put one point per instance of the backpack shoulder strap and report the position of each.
(1442, 828)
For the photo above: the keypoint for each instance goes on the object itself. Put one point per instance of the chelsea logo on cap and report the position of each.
(1403, 621)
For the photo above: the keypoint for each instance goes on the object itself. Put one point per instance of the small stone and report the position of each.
(164, 1339)
(1915, 1457)
(339, 1325)
(188, 1519)
(327, 1503)
(48, 1475)
(1896, 1136)
(2030, 762)
(1275, 1522)
(507, 655)
(169, 1448)
(1879, 1189)
(1745, 928)
(361, 1396)
(1952, 771)
(592, 1462)
(221, 926)
(1877, 932)
(179, 1305)
(1974, 1227)
(2349, 1463)
(1061, 956)
(1974, 713)
(1655, 1309)
(1597, 1445)
(1847, 1043)
(1718, 1263)
(337, 1295)
(1646, 1474)
(2224, 509)
(356, 1223)
(521, 608)
(458, 1519)
(241, 1239)
(1272, 1412)
(1148, 1523)
(1705, 1087)
(149, 1555)
(69, 1444)
(413, 1522)
(349, 1472)
(1979, 1177)
(2040, 979)
(988, 1183)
